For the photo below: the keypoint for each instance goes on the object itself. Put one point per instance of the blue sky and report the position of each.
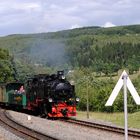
(36, 16)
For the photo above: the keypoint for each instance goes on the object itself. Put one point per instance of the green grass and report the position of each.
(115, 118)
(117, 75)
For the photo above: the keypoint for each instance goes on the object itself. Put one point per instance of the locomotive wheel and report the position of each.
(45, 111)
(43, 116)
(41, 111)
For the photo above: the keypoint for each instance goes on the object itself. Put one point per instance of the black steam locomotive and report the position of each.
(51, 95)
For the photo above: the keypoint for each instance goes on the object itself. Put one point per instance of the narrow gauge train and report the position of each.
(46, 95)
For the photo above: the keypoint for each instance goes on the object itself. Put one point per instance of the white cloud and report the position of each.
(25, 6)
(75, 26)
(48, 15)
(108, 24)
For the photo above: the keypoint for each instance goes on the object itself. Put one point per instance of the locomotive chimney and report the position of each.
(60, 74)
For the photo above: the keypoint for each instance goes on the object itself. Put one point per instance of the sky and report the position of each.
(37, 16)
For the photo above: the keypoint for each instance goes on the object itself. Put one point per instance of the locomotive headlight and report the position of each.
(63, 77)
(50, 100)
(77, 99)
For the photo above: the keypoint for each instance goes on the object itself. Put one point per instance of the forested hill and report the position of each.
(103, 50)
(95, 55)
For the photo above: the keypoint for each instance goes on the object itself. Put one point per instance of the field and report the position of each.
(114, 118)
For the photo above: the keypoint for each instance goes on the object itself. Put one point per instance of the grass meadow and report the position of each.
(114, 118)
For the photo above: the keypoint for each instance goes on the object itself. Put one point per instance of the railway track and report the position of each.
(20, 130)
(104, 127)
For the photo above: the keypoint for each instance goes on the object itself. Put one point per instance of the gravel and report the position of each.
(6, 135)
(63, 130)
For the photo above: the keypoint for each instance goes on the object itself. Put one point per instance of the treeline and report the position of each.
(81, 47)
(7, 72)
(99, 89)
(12, 69)
(104, 55)
(96, 30)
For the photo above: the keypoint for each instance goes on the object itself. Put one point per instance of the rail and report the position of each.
(20, 130)
(116, 129)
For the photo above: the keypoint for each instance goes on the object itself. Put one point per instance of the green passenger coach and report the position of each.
(13, 94)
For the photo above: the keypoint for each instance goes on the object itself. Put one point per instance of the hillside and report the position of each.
(95, 53)
(99, 48)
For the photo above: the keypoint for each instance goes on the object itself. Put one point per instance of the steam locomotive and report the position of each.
(46, 95)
